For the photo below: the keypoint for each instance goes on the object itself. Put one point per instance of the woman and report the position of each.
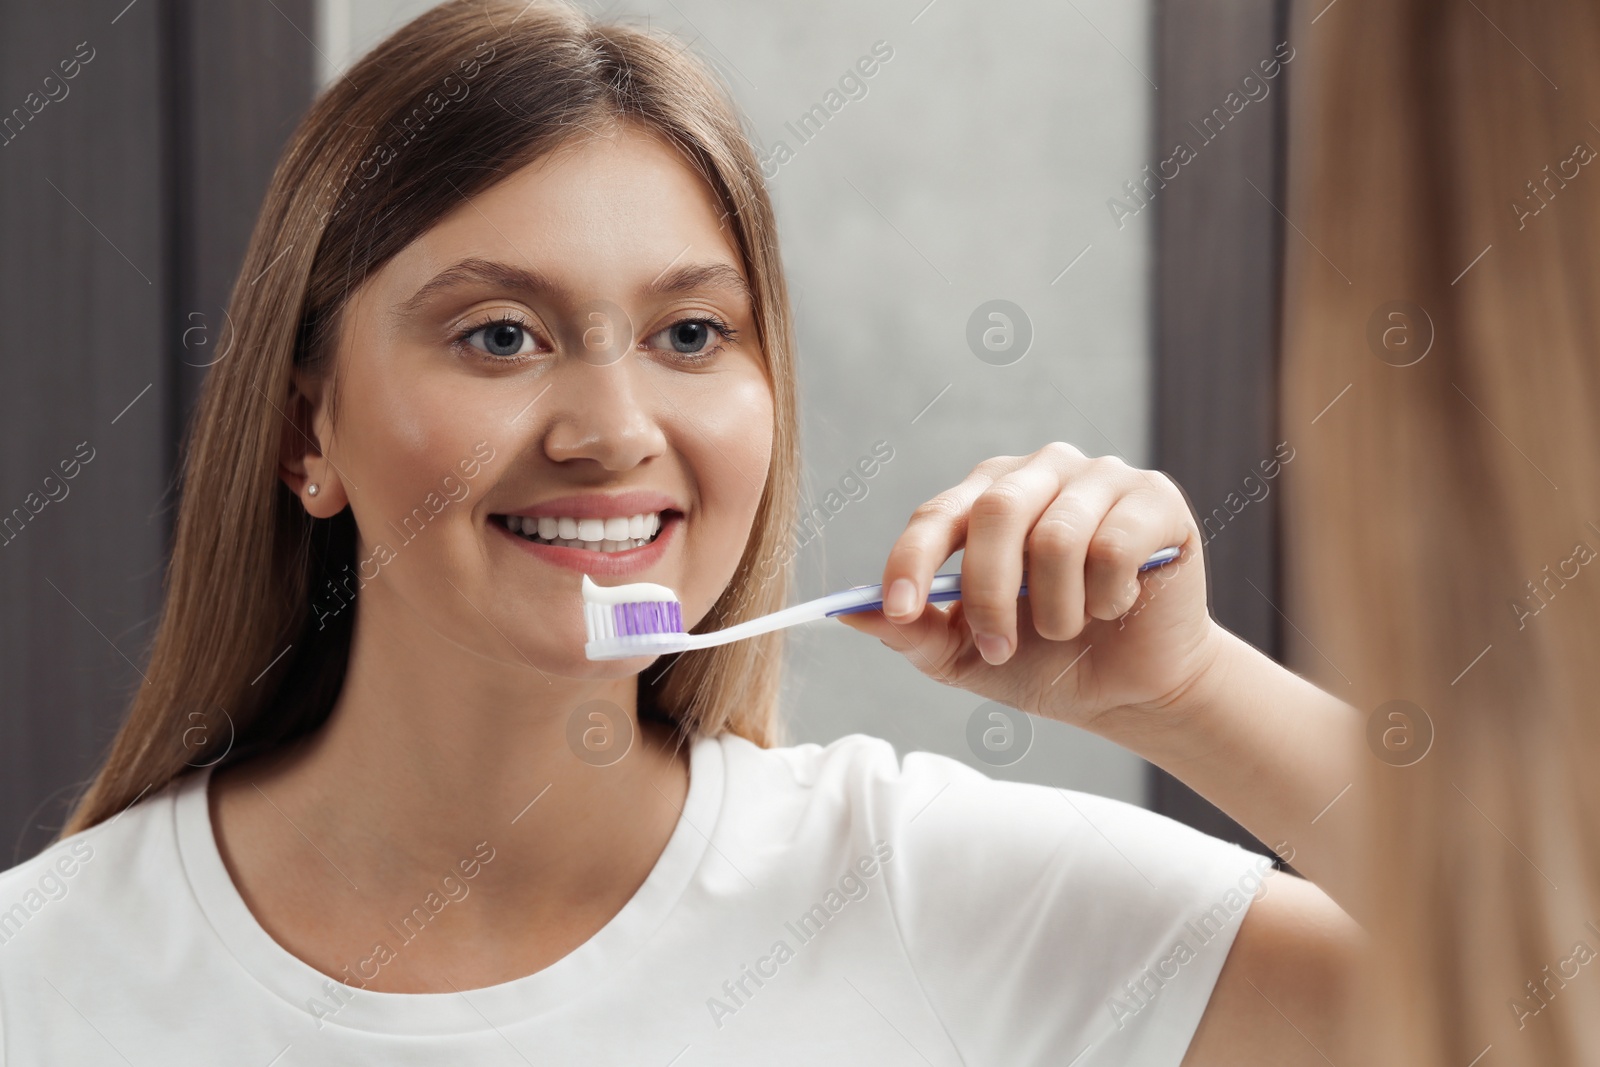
(516, 275)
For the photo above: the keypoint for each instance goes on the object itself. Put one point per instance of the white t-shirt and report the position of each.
(814, 904)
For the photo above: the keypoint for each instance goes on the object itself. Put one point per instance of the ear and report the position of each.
(301, 459)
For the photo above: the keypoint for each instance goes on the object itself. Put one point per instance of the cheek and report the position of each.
(402, 435)
(399, 415)
(730, 447)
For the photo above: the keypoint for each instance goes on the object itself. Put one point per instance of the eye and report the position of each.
(693, 337)
(502, 337)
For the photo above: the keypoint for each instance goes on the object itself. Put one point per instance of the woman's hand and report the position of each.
(1093, 643)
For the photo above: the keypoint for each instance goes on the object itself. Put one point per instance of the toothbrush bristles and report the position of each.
(647, 617)
(630, 618)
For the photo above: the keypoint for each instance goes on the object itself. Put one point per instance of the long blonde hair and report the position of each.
(452, 102)
(1441, 384)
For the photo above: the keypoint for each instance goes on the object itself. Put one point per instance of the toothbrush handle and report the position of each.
(847, 602)
(948, 587)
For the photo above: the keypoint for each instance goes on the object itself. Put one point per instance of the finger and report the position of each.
(925, 641)
(936, 528)
(1058, 548)
(991, 568)
(1140, 522)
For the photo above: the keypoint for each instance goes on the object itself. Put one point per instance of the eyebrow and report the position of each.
(689, 277)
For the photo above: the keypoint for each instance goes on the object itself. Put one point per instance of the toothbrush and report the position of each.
(645, 619)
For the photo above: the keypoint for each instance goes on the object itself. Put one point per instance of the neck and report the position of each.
(434, 753)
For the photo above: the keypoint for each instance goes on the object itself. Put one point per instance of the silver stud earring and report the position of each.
(312, 489)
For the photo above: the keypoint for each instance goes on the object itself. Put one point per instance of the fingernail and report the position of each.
(992, 647)
(902, 597)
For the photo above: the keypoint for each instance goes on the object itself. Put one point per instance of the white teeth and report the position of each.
(615, 534)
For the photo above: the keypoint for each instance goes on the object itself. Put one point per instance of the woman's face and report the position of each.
(570, 350)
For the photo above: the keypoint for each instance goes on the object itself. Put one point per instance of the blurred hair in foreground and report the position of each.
(1442, 523)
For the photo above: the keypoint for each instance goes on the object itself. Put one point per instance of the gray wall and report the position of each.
(976, 167)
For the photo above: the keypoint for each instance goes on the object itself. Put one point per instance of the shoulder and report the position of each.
(94, 877)
(856, 785)
(103, 909)
(938, 801)
(855, 766)
(804, 766)
(1035, 917)
(963, 836)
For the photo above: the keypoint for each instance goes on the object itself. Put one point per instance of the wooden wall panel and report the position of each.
(1218, 248)
(126, 196)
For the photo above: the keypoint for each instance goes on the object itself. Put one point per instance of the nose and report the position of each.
(605, 413)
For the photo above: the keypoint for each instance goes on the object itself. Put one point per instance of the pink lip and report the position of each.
(598, 564)
(600, 506)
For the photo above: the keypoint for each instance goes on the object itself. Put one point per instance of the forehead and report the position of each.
(600, 210)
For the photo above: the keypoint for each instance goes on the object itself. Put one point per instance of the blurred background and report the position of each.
(994, 240)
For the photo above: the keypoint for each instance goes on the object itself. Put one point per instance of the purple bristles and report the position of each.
(648, 617)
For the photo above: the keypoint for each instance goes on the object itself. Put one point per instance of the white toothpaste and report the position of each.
(625, 594)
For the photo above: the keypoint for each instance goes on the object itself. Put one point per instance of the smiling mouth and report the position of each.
(590, 534)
